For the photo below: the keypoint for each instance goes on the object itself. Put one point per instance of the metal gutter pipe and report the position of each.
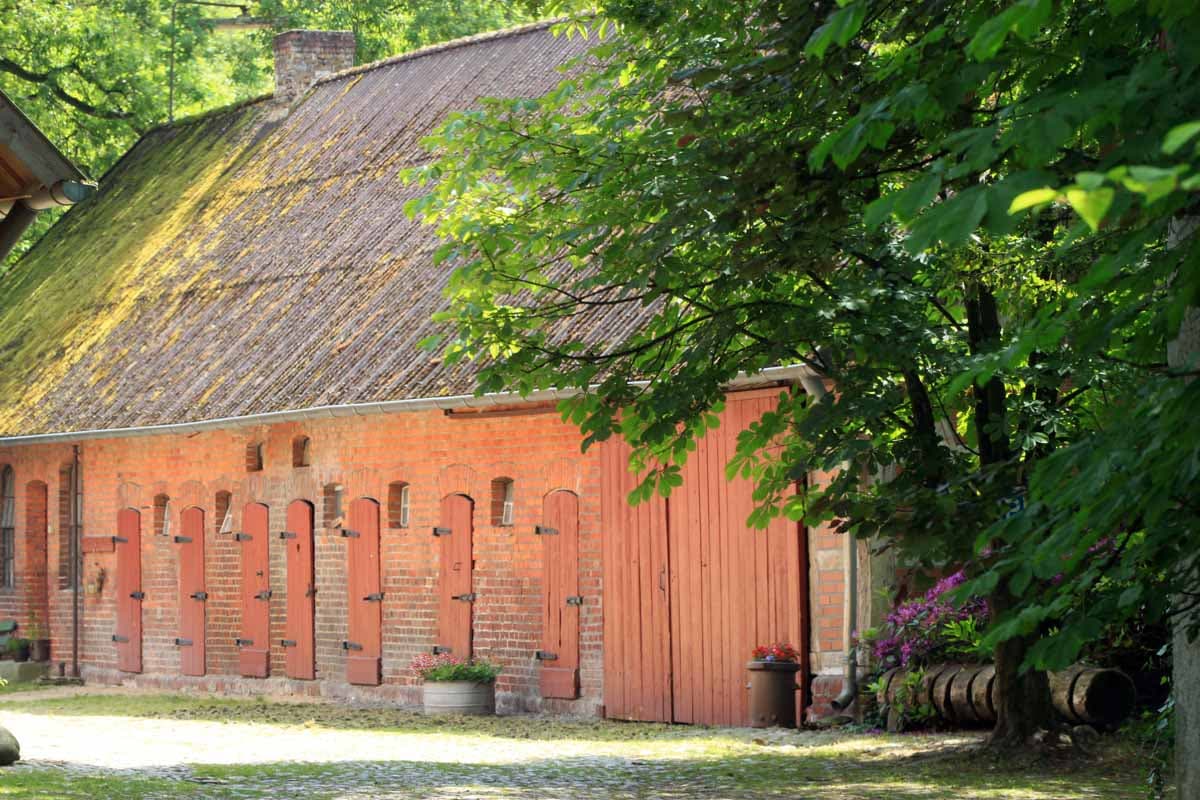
(764, 377)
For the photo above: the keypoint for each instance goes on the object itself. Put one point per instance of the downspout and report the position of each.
(74, 550)
(815, 388)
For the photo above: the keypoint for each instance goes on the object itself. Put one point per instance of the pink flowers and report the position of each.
(779, 652)
(428, 662)
(917, 631)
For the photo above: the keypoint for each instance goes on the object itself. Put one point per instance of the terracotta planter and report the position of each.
(458, 697)
(773, 693)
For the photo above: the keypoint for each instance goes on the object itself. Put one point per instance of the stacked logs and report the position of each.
(963, 694)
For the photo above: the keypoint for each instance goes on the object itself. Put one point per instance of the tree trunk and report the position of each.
(1022, 701)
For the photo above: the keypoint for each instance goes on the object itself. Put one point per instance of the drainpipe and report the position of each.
(74, 550)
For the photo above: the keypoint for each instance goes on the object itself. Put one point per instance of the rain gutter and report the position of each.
(469, 401)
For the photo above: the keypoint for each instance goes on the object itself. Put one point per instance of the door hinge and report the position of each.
(469, 597)
(349, 534)
(287, 642)
(286, 535)
(310, 591)
(374, 597)
(199, 595)
(183, 642)
(243, 642)
(439, 649)
(351, 646)
(575, 600)
(442, 531)
(117, 638)
(545, 530)
(265, 594)
(545, 655)
(139, 595)
(182, 539)
(242, 537)
(120, 540)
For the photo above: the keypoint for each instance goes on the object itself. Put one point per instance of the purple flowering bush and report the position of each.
(929, 628)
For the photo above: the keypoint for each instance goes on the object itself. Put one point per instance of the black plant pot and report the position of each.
(21, 653)
(39, 650)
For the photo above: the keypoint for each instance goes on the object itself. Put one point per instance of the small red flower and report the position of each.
(779, 652)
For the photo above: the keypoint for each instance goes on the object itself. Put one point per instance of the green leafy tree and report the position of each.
(956, 214)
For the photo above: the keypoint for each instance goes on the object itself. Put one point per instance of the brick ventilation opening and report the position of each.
(301, 454)
(162, 515)
(8, 527)
(223, 512)
(64, 527)
(398, 504)
(254, 457)
(503, 495)
(331, 507)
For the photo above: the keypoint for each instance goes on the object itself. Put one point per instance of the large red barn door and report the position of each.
(637, 635)
(192, 594)
(254, 644)
(128, 635)
(364, 648)
(560, 595)
(301, 592)
(455, 593)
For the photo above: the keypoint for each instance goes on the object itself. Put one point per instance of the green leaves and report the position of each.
(839, 28)
(1025, 18)
(1180, 135)
(1090, 205)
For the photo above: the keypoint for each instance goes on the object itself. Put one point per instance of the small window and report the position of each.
(503, 494)
(301, 457)
(162, 515)
(8, 538)
(398, 505)
(223, 506)
(332, 511)
(254, 457)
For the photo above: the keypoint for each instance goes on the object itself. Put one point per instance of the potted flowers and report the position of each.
(453, 685)
(773, 686)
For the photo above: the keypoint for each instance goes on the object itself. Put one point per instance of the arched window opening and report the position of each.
(70, 517)
(398, 504)
(332, 506)
(301, 453)
(8, 525)
(254, 457)
(223, 508)
(162, 515)
(503, 495)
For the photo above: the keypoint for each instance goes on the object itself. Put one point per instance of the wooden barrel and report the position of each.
(1092, 695)
(458, 697)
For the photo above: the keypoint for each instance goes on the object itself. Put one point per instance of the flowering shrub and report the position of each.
(447, 667)
(775, 652)
(930, 628)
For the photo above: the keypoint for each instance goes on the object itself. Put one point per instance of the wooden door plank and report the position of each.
(128, 633)
(300, 627)
(192, 593)
(364, 648)
(254, 640)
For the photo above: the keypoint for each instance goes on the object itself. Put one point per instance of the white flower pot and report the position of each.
(458, 697)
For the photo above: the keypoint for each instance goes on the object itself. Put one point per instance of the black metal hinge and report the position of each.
(544, 530)
(120, 540)
(183, 642)
(265, 594)
(349, 534)
(287, 642)
(138, 595)
(243, 642)
(374, 597)
(442, 531)
(120, 638)
(575, 600)
(182, 539)
(351, 646)
(199, 595)
(469, 597)
(286, 535)
(545, 655)
(439, 649)
(242, 537)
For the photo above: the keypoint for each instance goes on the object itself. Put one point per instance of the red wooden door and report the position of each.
(192, 594)
(364, 648)
(637, 636)
(128, 635)
(299, 640)
(455, 593)
(254, 643)
(560, 595)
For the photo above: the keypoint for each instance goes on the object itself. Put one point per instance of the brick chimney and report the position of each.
(304, 57)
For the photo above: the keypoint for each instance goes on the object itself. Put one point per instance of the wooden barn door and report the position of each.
(455, 593)
(561, 600)
(128, 635)
(637, 636)
(192, 594)
(299, 641)
(254, 643)
(364, 648)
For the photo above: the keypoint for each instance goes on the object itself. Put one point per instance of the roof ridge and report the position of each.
(440, 47)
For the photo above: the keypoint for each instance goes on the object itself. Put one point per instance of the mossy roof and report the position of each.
(252, 261)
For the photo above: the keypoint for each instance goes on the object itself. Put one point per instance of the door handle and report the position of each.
(138, 595)
(199, 596)
(374, 597)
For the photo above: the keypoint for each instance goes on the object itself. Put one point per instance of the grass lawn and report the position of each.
(530, 757)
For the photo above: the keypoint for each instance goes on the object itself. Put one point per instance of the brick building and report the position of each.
(231, 468)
